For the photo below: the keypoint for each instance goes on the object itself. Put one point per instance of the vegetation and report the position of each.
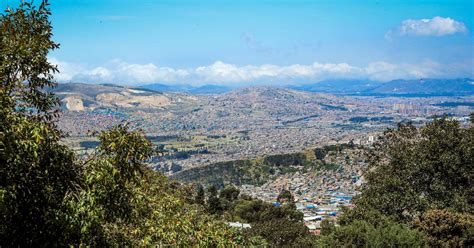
(362, 234)
(261, 170)
(49, 197)
(279, 226)
(418, 189)
(285, 159)
(419, 179)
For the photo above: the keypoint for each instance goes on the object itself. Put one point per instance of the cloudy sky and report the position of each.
(260, 41)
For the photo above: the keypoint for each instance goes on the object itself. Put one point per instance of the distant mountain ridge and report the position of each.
(207, 89)
(343, 86)
(399, 87)
(461, 86)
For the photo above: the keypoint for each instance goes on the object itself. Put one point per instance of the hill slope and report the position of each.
(79, 97)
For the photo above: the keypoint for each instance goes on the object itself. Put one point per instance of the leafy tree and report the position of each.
(257, 211)
(227, 196)
(200, 197)
(285, 196)
(36, 171)
(279, 226)
(36, 174)
(229, 193)
(363, 234)
(371, 216)
(284, 233)
(249, 210)
(156, 214)
(327, 227)
(446, 229)
(413, 170)
(24, 68)
(413, 173)
(50, 198)
(213, 203)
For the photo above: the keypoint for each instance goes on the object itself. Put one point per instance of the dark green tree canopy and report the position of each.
(24, 68)
(415, 169)
(51, 198)
(423, 178)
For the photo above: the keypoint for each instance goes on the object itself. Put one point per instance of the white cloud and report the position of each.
(383, 71)
(436, 26)
(67, 70)
(119, 72)
(267, 73)
(100, 72)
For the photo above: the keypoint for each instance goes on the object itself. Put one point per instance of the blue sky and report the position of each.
(260, 42)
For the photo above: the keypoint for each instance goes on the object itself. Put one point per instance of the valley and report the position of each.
(199, 130)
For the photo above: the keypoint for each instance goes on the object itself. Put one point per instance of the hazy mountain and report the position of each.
(210, 89)
(400, 87)
(185, 88)
(345, 86)
(438, 87)
(168, 88)
(79, 96)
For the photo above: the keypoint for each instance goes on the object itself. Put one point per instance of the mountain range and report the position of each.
(78, 96)
(189, 89)
(399, 87)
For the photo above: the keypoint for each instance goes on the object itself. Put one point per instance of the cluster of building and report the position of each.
(327, 207)
(274, 120)
(320, 193)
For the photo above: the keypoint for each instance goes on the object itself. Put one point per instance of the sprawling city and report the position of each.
(330, 124)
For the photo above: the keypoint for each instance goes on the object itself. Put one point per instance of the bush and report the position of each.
(446, 229)
(363, 234)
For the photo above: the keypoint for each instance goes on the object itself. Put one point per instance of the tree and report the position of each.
(200, 197)
(419, 178)
(213, 203)
(413, 170)
(24, 68)
(280, 226)
(284, 233)
(363, 234)
(327, 227)
(36, 171)
(49, 197)
(446, 229)
(286, 197)
(229, 193)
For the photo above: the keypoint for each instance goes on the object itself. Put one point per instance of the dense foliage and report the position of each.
(362, 234)
(419, 178)
(49, 197)
(280, 226)
(261, 170)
